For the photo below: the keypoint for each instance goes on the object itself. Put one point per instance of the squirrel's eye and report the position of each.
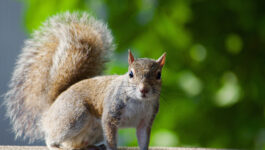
(131, 74)
(158, 76)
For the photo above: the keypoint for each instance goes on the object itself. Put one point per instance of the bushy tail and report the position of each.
(68, 47)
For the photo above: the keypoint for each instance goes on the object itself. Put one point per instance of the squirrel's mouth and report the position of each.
(143, 95)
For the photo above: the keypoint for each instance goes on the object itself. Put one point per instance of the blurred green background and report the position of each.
(213, 91)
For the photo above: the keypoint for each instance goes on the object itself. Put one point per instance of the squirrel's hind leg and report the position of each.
(68, 124)
(88, 137)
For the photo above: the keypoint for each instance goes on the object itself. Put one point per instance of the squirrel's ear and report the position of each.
(161, 60)
(130, 57)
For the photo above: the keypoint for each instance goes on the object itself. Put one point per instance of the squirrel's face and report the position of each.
(145, 77)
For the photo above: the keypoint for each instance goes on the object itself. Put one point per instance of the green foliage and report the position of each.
(213, 81)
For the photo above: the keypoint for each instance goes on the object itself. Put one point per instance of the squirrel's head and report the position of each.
(145, 76)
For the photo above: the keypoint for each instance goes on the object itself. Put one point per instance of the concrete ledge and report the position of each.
(121, 148)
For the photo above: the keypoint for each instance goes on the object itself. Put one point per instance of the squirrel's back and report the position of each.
(67, 48)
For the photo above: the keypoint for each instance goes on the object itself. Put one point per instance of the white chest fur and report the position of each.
(134, 112)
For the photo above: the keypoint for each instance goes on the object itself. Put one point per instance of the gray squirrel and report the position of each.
(57, 93)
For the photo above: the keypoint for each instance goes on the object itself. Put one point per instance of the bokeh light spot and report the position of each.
(181, 12)
(198, 52)
(229, 93)
(190, 83)
(234, 44)
(165, 137)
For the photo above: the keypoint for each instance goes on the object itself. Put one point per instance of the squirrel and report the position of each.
(57, 92)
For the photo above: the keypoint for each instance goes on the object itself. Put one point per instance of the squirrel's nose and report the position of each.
(144, 90)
